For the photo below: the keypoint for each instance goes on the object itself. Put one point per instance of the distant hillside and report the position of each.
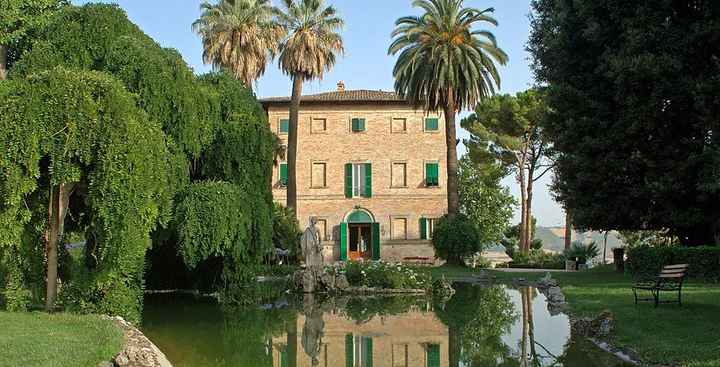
(553, 238)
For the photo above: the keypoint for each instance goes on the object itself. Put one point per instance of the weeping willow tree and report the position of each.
(211, 130)
(94, 158)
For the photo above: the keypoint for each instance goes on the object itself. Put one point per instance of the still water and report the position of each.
(478, 326)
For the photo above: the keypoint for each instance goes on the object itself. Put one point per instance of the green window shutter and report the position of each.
(284, 125)
(431, 174)
(376, 241)
(348, 180)
(283, 174)
(431, 124)
(349, 350)
(368, 343)
(423, 228)
(368, 180)
(358, 125)
(343, 241)
(283, 357)
(432, 354)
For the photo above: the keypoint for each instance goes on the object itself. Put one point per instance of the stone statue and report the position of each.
(313, 329)
(310, 244)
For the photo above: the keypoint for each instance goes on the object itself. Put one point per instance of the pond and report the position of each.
(478, 326)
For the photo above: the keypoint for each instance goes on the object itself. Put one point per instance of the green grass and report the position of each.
(56, 340)
(686, 336)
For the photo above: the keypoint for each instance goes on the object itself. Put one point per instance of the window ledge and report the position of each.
(399, 187)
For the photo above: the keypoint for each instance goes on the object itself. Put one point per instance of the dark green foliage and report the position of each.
(100, 37)
(456, 238)
(364, 309)
(286, 230)
(647, 261)
(101, 142)
(211, 222)
(634, 94)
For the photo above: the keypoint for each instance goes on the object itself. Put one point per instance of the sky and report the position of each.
(365, 64)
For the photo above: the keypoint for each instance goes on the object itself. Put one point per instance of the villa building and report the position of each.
(370, 168)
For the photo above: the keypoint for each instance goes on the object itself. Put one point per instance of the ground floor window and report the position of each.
(427, 225)
(358, 351)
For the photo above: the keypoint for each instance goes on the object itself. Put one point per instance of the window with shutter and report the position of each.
(432, 355)
(358, 180)
(358, 125)
(283, 175)
(423, 229)
(431, 174)
(284, 126)
(431, 124)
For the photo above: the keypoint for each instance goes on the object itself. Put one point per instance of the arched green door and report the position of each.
(359, 237)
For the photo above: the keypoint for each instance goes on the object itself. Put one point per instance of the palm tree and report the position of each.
(444, 63)
(239, 36)
(306, 53)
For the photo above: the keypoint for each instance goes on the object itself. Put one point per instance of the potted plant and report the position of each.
(581, 254)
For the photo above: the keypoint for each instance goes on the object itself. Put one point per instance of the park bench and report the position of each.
(670, 279)
(418, 260)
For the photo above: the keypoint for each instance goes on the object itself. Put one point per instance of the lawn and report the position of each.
(59, 340)
(687, 335)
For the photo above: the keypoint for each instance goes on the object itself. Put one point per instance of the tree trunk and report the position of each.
(605, 248)
(292, 143)
(59, 200)
(522, 233)
(528, 214)
(568, 229)
(452, 160)
(3, 62)
(525, 328)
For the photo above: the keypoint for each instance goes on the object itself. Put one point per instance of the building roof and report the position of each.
(350, 96)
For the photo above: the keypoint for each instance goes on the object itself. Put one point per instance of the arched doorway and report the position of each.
(359, 236)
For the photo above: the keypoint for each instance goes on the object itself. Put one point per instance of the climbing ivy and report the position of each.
(65, 126)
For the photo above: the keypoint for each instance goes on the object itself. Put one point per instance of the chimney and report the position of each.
(341, 86)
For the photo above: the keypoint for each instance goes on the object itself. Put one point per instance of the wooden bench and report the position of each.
(418, 260)
(670, 279)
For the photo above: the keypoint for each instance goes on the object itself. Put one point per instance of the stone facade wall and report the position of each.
(378, 145)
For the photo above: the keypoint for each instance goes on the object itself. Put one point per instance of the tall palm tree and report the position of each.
(445, 63)
(306, 53)
(239, 36)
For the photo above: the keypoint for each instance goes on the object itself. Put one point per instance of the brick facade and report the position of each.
(326, 139)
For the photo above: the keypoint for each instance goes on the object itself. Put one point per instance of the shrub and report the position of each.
(377, 274)
(582, 253)
(286, 231)
(704, 261)
(455, 239)
(538, 259)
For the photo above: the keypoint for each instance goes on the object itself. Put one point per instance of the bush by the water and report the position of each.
(377, 274)
(704, 261)
(455, 239)
(537, 259)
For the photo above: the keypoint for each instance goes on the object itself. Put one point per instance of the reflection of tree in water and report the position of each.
(248, 332)
(477, 317)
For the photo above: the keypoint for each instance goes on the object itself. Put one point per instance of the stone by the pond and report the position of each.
(105, 364)
(547, 281)
(555, 295)
(601, 326)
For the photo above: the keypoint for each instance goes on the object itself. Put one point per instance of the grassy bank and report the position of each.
(38, 339)
(686, 336)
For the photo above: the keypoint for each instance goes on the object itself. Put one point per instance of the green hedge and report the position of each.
(647, 261)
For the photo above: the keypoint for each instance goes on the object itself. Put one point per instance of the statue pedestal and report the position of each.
(314, 279)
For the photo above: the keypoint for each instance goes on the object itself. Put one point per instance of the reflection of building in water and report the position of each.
(412, 339)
